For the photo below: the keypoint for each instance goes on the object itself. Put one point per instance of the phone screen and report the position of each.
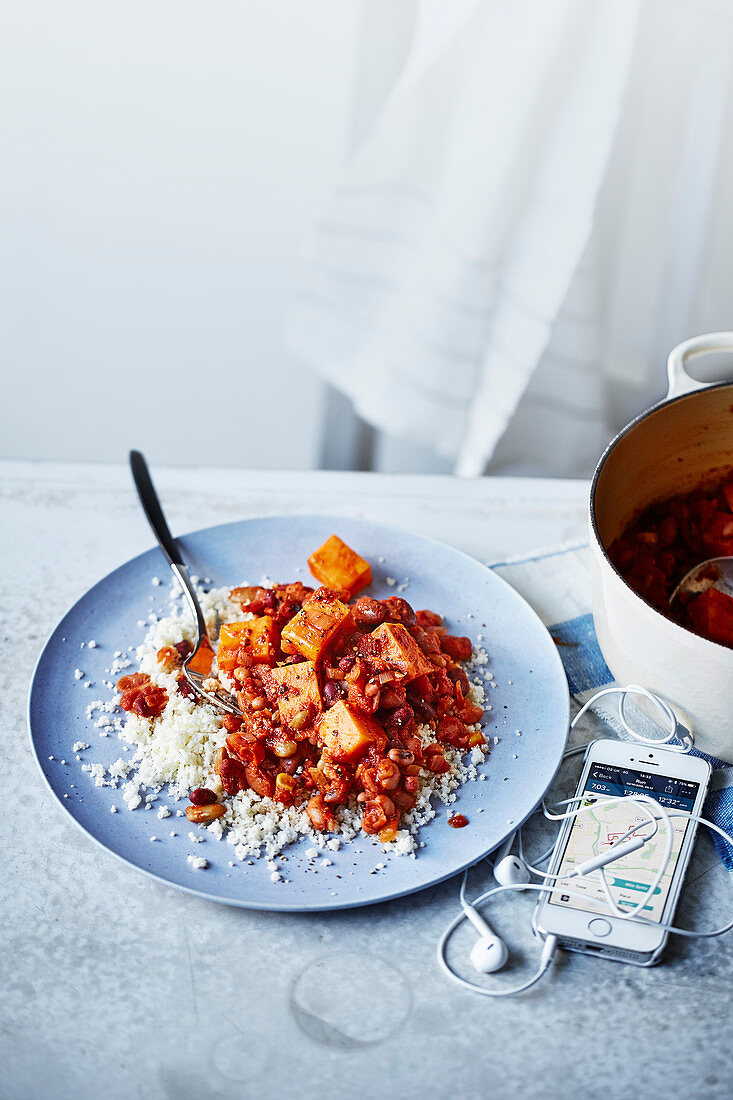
(596, 829)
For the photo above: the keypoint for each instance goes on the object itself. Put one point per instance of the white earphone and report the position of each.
(490, 952)
(512, 872)
(509, 870)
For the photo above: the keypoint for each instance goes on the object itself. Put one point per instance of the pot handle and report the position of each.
(679, 380)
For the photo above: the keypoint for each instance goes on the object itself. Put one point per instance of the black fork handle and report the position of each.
(169, 546)
(152, 509)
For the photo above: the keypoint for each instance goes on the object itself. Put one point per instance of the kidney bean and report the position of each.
(398, 719)
(368, 611)
(424, 711)
(201, 796)
(184, 648)
(332, 692)
(290, 764)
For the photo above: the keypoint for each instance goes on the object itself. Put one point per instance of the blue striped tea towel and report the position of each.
(557, 584)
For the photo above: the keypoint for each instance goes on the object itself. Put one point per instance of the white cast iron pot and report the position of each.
(683, 441)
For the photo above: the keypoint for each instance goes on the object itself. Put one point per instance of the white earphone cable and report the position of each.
(650, 808)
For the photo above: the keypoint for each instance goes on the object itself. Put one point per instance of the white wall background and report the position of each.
(162, 162)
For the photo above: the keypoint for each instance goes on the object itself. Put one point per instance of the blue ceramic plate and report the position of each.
(530, 696)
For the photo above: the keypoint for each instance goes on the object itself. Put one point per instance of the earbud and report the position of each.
(489, 953)
(511, 871)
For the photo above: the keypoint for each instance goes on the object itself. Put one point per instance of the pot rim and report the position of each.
(665, 401)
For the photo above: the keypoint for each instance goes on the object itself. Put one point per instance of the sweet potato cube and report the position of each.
(258, 638)
(338, 566)
(231, 637)
(316, 625)
(202, 661)
(294, 688)
(347, 733)
(399, 650)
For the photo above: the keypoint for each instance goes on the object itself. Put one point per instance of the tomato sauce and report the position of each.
(668, 539)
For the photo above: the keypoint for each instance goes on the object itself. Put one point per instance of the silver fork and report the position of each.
(169, 546)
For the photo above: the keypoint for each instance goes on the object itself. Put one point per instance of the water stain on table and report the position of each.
(373, 986)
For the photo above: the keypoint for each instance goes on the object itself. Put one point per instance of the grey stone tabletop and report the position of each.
(115, 986)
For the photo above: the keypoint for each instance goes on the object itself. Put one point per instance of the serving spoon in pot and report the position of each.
(197, 666)
(713, 573)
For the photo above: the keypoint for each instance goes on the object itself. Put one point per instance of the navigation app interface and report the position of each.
(595, 830)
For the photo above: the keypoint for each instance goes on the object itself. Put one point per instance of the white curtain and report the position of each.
(530, 217)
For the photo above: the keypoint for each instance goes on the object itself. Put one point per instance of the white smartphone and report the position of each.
(587, 923)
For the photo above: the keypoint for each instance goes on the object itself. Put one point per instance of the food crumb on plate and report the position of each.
(198, 862)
